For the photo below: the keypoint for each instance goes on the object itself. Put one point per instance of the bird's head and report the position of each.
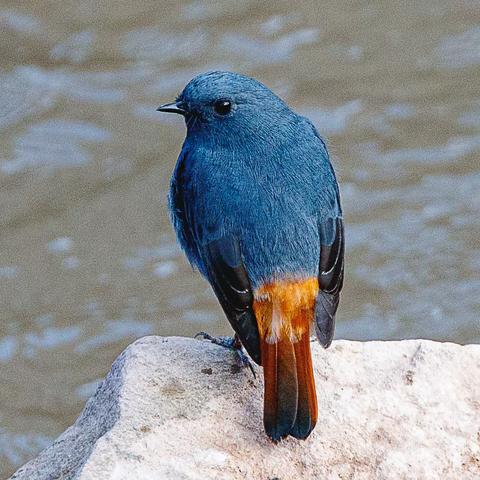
(223, 104)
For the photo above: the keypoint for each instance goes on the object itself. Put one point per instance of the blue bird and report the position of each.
(255, 205)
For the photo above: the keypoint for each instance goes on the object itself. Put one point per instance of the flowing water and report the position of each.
(88, 261)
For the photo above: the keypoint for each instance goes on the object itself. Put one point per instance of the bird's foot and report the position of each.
(225, 342)
(242, 360)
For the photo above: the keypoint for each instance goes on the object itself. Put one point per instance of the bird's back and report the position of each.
(271, 199)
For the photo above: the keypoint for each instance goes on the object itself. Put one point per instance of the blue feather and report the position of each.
(261, 174)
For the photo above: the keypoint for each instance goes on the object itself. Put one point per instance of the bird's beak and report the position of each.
(172, 108)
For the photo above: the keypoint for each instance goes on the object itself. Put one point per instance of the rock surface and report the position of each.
(176, 408)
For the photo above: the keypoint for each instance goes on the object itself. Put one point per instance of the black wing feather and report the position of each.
(231, 284)
(330, 282)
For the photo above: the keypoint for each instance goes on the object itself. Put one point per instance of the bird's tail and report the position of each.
(290, 401)
(307, 409)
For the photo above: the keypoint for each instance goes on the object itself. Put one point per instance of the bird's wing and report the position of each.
(330, 275)
(181, 213)
(219, 260)
(230, 282)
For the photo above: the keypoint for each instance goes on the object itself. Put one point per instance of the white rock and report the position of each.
(174, 408)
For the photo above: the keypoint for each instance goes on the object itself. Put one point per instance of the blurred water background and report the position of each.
(88, 261)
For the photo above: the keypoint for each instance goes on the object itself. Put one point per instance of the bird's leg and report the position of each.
(225, 342)
(243, 360)
(232, 343)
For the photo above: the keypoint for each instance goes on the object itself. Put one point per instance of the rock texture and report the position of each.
(177, 408)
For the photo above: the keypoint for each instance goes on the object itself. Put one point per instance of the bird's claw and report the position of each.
(243, 361)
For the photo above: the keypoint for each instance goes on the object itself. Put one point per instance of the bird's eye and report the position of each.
(222, 107)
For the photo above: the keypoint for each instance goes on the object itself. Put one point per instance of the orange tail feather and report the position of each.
(281, 388)
(307, 409)
(284, 312)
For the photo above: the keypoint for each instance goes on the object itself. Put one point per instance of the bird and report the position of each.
(255, 205)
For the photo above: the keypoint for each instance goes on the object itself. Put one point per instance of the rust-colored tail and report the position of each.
(284, 312)
(281, 388)
(307, 409)
(290, 401)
